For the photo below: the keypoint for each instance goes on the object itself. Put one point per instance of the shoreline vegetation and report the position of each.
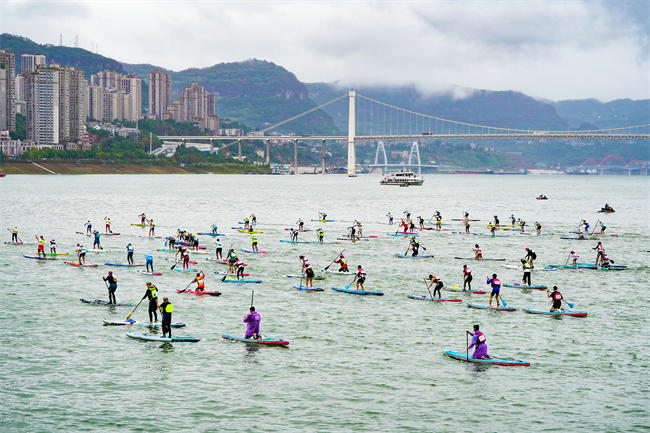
(128, 168)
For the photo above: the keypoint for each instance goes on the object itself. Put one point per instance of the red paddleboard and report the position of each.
(89, 265)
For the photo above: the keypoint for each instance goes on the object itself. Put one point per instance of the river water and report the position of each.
(354, 363)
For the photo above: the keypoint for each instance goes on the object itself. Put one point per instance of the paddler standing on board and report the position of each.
(538, 227)
(301, 225)
(89, 228)
(246, 224)
(254, 245)
(166, 310)
(152, 294)
(467, 278)
(390, 219)
(421, 221)
(252, 322)
(143, 218)
(152, 228)
(414, 246)
(439, 286)
(527, 271)
(496, 289)
(129, 254)
(149, 262)
(14, 234)
(493, 229)
(81, 254)
(320, 234)
(574, 258)
(185, 255)
(478, 254)
(41, 245)
(294, 235)
(496, 221)
(253, 219)
(219, 250)
(438, 220)
(557, 299)
(360, 277)
(108, 225)
(214, 229)
(112, 287)
(96, 241)
(512, 220)
(403, 224)
(600, 250)
(586, 224)
(479, 345)
(467, 226)
(53, 247)
(530, 257)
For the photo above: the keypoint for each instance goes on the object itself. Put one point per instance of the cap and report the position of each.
(572, 252)
(110, 272)
(301, 256)
(341, 255)
(526, 249)
(77, 244)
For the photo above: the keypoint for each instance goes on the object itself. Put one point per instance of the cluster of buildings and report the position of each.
(58, 102)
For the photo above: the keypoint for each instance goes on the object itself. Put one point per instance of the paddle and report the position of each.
(595, 225)
(183, 291)
(567, 260)
(227, 273)
(568, 303)
(252, 294)
(136, 307)
(339, 255)
(348, 286)
(428, 290)
(502, 300)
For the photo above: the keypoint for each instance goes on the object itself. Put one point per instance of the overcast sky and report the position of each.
(550, 49)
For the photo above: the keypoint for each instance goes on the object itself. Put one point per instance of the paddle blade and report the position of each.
(570, 304)
(347, 287)
(504, 302)
(456, 287)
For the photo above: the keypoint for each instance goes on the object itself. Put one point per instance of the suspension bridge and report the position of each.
(397, 125)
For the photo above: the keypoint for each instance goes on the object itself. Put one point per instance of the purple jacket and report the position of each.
(252, 323)
(480, 350)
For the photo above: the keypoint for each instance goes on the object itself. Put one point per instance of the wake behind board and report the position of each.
(146, 337)
(100, 302)
(427, 298)
(486, 307)
(266, 341)
(357, 292)
(463, 357)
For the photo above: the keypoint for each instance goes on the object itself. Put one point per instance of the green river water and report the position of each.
(354, 363)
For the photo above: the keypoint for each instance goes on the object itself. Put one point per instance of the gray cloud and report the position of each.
(551, 49)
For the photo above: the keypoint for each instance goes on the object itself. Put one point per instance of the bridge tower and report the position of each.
(417, 151)
(380, 146)
(352, 157)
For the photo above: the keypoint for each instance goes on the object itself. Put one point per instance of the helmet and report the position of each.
(341, 256)
(77, 244)
(52, 240)
(526, 249)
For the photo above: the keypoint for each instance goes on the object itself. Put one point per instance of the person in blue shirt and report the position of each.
(496, 288)
(129, 254)
(96, 242)
(149, 261)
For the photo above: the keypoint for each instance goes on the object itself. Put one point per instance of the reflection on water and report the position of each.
(166, 347)
(251, 353)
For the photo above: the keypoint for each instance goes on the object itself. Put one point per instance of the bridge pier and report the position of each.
(295, 156)
(352, 156)
(268, 151)
(211, 146)
(323, 161)
(239, 144)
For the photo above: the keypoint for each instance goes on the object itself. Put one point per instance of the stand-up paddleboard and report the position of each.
(490, 236)
(337, 272)
(122, 264)
(308, 242)
(254, 252)
(40, 258)
(57, 254)
(174, 260)
(426, 298)
(212, 293)
(521, 286)
(100, 302)
(151, 237)
(141, 272)
(325, 221)
(350, 239)
(461, 219)
(486, 307)
(99, 251)
(253, 232)
(87, 265)
(267, 341)
(146, 337)
(85, 234)
(137, 322)
(463, 233)
(483, 258)
(309, 289)
(591, 266)
(357, 292)
(459, 290)
(229, 273)
(419, 256)
(316, 277)
(463, 357)
(210, 234)
(175, 251)
(556, 313)
(14, 243)
(533, 270)
(403, 234)
(231, 280)
(111, 234)
(591, 238)
(300, 231)
(220, 261)
(185, 270)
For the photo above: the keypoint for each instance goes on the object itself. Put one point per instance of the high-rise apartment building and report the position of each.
(95, 102)
(128, 84)
(29, 62)
(42, 98)
(160, 94)
(7, 91)
(194, 105)
(132, 85)
(72, 101)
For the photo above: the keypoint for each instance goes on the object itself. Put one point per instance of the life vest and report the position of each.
(480, 338)
(526, 266)
(153, 291)
(496, 283)
(362, 273)
(467, 271)
(129, 248)
(200, 282)
(254, 238)
(41, 241)
(167, 308)
(557, 296)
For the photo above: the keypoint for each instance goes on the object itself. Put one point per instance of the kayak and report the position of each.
(357, 292)
(267, 341)
(230, 280)
(308, 242)
(148, 273)
(463, 357)
(210, 234)
(122, 264)
(309, 289)
(534, 270)
(146, 337)
(486, 307)
(421, 256)
(136, 322)
(226, 273)
(100, 302)
(89, 265)
(426, 298)
(185, 270)
(519, 286)
(474, 258)
(253, 232)
(214, 293)
(557, 313)
(459, 290)
(325, 221)
(39, 258)
(254, 252)
(402, 234)
(316, 277)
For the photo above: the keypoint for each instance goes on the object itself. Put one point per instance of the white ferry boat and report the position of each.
(402, 178)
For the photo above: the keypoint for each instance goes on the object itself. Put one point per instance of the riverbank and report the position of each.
(83, 168)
